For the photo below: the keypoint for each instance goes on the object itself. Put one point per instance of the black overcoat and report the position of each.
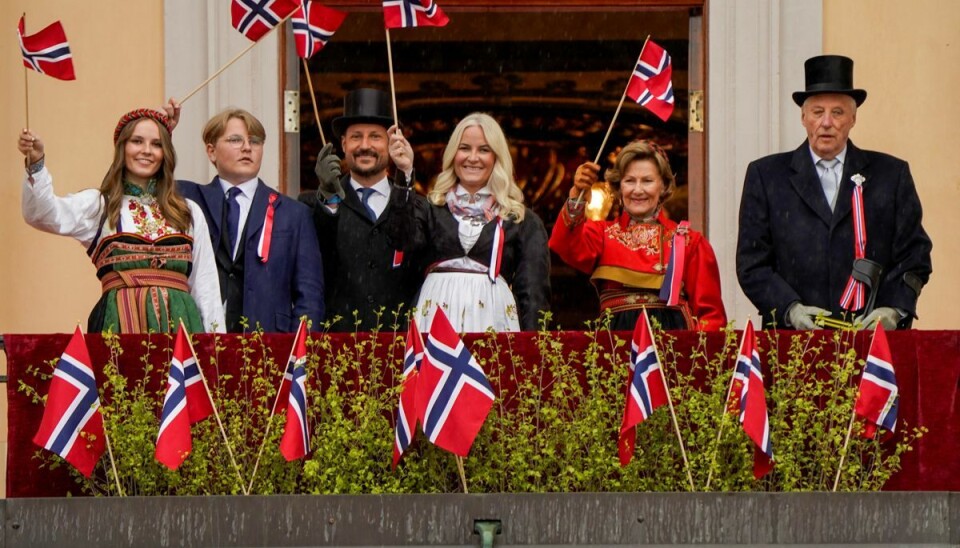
(792, 248)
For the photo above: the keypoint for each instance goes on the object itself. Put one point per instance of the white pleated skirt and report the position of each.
(471, 302)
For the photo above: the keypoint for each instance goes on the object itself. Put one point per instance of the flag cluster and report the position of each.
(651, 83)
(47, 51)
(450, 394)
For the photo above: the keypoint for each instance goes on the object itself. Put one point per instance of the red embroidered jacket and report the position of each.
(637, 255)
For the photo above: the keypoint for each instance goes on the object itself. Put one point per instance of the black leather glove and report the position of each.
(328, 174)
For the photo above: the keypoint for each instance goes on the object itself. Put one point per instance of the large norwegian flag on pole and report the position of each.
(186, 402)
(454, 395)
(651, 83)
(295, 442)
(72, 425)
(47, 51)
(753, 402)
(407, 405)
(646, 390)
(877, 399)
(404, 14)
(313, 26)
(255, 18)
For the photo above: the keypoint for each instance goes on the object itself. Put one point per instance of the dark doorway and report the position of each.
(552, 80)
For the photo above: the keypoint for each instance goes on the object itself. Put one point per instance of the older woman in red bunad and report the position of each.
(641, 259)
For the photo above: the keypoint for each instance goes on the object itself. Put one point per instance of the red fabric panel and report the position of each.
(927, 365)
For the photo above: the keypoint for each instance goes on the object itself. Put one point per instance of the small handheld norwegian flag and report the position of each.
(651, 83)
(407, 406)
(454, 396)
(255, 18)
(313, 26)
(47, 51)
(753, 403)
(72, 425)
(295, 442)
(645, 388)
(403, 14)
(877, 399)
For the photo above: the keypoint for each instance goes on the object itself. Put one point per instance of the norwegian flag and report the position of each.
(646, 389)
(753, 403)
(877, 400)
(651, 83)
(454, 396)
(47, 51)
(187, 402)
(403, 14)
(407, 406)
(313, 26)
(72, 425)
(295, 442)
(255, 18)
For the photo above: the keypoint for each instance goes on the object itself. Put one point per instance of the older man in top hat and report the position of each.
(830, 230)
(365, 272)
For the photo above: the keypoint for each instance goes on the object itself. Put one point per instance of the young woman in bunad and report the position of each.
(488, 256)
(629, 257)
(149, 244)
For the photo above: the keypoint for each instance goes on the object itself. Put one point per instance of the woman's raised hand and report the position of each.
(30, 146)
(586, 176)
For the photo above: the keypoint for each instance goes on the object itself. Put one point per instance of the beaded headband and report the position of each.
(139, 113)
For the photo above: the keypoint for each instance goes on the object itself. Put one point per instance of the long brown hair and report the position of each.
(172, 205)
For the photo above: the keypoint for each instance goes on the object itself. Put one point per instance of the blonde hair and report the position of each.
(218, 124)
(642, 150)
(501, 183)
(172, 205)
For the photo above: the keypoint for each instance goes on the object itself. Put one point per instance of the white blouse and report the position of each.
(78, 216)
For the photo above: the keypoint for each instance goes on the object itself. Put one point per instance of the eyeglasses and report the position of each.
(236, 141)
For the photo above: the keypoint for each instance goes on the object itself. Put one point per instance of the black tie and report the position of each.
(365, 194)
(233, 217)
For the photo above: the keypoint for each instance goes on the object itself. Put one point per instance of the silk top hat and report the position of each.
(829, 74)
(364, 106)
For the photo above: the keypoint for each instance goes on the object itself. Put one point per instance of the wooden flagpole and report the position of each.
(463, 475)
(113, 463)
(723, 415)
(26, 90)
(673, 415)
(273, 409)
(235, 59)
(843, 451)
(393, 86)
(615, 114)
(313, 99)
(213, 405)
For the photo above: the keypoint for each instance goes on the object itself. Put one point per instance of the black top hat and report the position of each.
(364, 106)
(829, 74)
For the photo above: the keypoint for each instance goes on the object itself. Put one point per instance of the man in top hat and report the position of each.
(365, 273)
(829, 229)
(266, 249)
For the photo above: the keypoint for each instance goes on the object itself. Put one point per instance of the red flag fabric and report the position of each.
(753, 404)
(651, 83)
(255, 18)
(47, 51)
(402, 14)
(295, 442)
(455, 396)
(407, 419)
(313, 26)
(72, 425)
(877, 400)
(185, 403)
(646, 390)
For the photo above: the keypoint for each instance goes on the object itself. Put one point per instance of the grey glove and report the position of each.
(802, 316)
(328, 174)
(889, 317)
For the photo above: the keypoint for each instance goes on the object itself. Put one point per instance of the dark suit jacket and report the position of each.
(290, 283)
(358, 265)
(792, 248)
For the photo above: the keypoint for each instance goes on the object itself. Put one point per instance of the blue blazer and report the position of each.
(290, 284)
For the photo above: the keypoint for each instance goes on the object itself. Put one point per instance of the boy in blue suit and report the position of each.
(266, 247)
